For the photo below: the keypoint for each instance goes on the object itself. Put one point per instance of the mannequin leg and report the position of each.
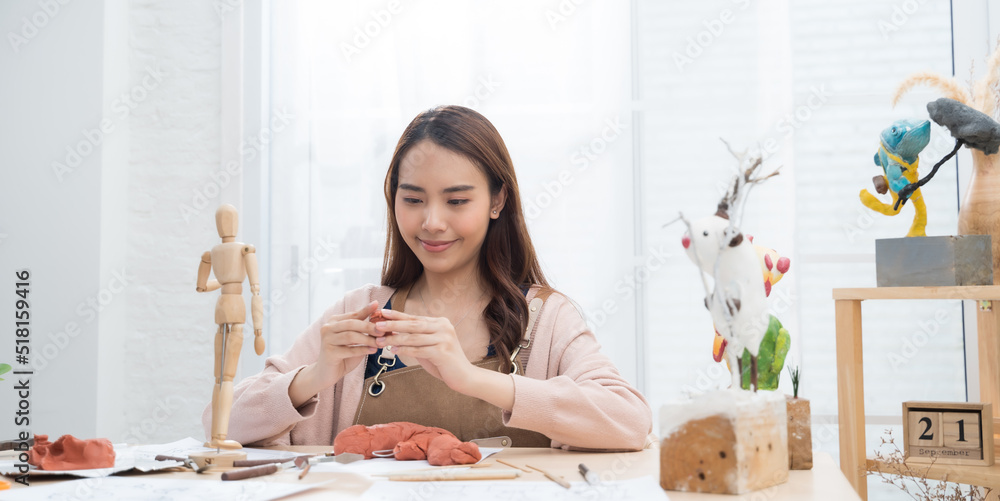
(218, 382)
(234, 343)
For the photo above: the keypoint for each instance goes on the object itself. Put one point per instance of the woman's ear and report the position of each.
(498, 202)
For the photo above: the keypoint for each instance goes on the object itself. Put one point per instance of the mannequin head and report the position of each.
(226, 220)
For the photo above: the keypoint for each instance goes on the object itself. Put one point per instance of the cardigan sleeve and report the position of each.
(262, 412)
(587, 403)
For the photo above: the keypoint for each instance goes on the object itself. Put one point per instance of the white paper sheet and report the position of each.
(143, 458)
(645, 488)
(142, 488)
(389, 465)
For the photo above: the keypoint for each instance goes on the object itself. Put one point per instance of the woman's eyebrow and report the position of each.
(453, 189)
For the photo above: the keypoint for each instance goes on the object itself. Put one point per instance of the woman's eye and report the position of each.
(458, 201)
(411, 200)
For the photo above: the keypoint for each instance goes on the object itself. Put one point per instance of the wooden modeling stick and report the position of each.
(232, 262)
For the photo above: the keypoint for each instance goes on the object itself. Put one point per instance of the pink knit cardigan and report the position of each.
(571, 392)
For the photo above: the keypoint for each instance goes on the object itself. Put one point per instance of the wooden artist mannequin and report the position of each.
(232, 262)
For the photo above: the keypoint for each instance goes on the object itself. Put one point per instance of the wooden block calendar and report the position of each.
(948, 433)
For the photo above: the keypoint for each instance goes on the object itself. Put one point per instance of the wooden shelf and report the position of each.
(850, 377)
(962, 474)
(978, 292)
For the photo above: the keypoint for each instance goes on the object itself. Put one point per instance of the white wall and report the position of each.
(51, 91)
(140, 369)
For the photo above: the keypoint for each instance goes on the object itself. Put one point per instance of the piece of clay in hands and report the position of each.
(378, 317)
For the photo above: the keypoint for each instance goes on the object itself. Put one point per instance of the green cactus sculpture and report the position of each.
(770, 359)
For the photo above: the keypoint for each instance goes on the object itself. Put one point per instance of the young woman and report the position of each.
(471, 337)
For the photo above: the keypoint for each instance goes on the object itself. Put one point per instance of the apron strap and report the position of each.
(387, 358)
(520, 365)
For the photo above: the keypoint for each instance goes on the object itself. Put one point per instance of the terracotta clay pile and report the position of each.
(71, 453)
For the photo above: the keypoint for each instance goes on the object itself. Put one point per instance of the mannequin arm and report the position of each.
(204, 284)
(256, 302)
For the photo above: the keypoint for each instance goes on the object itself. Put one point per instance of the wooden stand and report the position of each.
(728, 442)
(850, 377)
(214, 458)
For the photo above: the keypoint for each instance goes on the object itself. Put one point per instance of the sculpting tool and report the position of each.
(588, 475)
(558, 480)
(454, 475)
(512, 465)
(259, 471)
(345, 458)
(305, 471)
(243, 463)
(187, 462)
(8, 445)
(435, 468)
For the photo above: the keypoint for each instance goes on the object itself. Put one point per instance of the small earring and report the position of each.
(494, 212)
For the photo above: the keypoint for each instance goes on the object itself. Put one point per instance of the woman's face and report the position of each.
(443, 207)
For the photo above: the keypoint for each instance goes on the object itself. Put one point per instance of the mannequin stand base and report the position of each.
(213, 458)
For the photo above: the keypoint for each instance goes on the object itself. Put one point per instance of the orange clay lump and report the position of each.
(407, 441)
(71, 453)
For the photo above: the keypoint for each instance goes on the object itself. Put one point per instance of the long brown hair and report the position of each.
(507, 258)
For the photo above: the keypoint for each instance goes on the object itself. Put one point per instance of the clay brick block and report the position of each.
(728, 442)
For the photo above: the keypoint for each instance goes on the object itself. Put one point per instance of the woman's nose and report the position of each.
(432, 220)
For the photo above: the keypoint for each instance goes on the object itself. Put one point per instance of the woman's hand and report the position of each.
(430, 340)
(345, 340)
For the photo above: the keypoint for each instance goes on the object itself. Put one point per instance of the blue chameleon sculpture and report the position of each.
(900, 145)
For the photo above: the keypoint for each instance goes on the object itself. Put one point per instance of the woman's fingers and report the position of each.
(424, 325)
(350, 339)
(361, 314)
(359, 351)
(398, 315)
(402, 339)
(419, 352)
(349, 325)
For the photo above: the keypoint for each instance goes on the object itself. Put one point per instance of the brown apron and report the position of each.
(412, 394)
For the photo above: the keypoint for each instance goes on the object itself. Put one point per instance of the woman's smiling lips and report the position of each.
(432, 246)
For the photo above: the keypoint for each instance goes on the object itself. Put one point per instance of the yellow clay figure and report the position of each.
(898, 155)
